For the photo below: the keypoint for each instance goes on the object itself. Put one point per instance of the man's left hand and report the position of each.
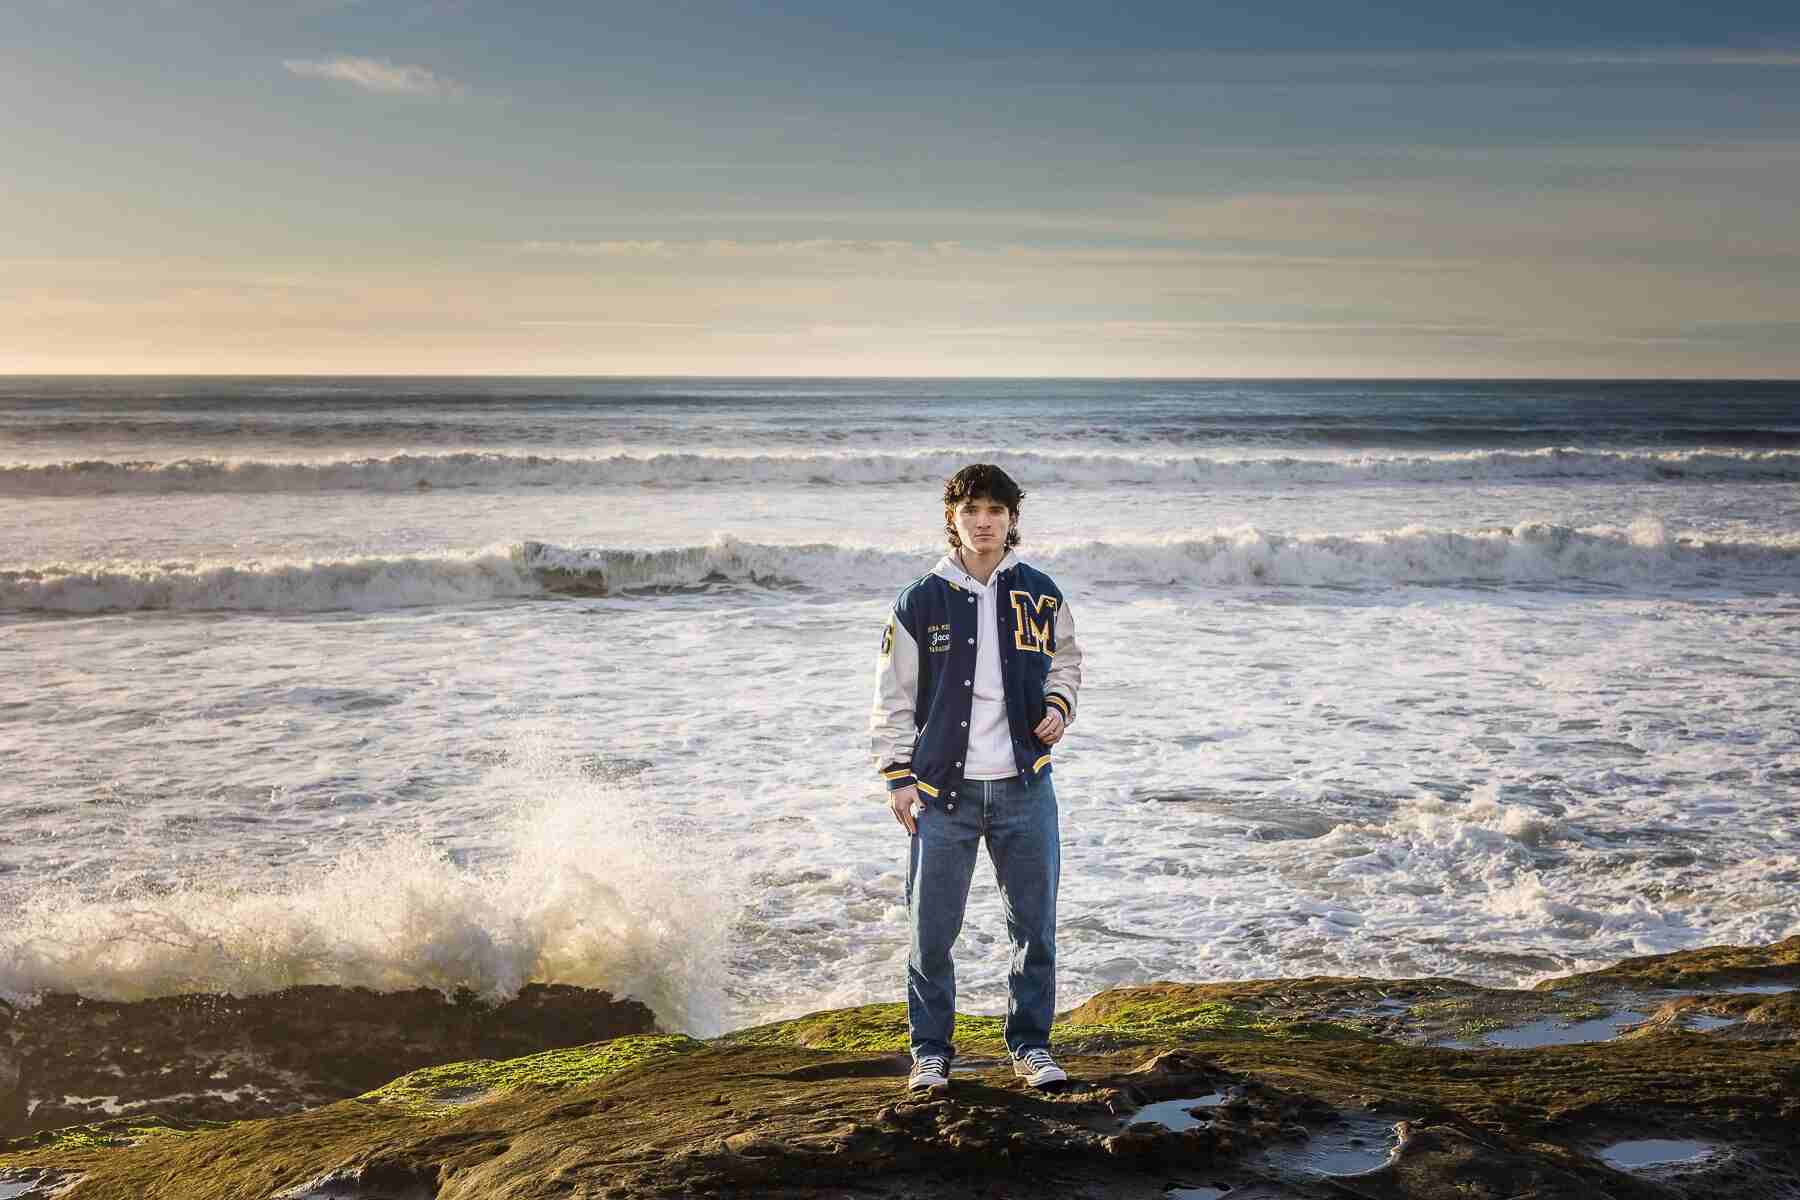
(1050, 730)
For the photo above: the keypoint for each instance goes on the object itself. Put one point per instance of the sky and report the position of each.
(687, 187)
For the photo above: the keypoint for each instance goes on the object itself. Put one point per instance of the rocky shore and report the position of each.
(68, 1060)
(1675, 1076)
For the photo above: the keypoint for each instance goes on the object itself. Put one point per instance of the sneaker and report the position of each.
(930, 1072)
(1037, 1068)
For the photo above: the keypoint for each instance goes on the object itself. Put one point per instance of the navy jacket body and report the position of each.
(919, 726)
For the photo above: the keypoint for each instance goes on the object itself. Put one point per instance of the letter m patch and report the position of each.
(1034, 617)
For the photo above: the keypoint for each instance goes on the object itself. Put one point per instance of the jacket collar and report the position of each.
(952, 570)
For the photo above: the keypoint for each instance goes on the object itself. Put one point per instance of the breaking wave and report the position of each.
(583, 892)
(1529, 553)
(412, 472)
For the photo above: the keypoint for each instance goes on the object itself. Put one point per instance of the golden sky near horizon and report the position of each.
(338, 187)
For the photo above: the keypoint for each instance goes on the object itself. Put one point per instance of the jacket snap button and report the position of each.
(971, 599)
(971, 641)
(959, 764)
(965, 724)
(953, 793)
(966, 683)
(951, 807)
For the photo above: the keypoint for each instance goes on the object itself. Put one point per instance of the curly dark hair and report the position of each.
(979, 481)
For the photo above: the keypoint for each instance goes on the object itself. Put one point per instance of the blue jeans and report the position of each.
(1019, 822)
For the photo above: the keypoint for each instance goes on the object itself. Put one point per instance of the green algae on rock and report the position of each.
(437, 1089)
(1711, 967)
(866, 1027)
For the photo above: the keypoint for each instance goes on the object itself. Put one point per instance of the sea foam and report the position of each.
(1531, 552)
(584, 892)
(500, 470)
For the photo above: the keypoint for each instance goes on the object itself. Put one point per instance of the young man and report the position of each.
(977, 680)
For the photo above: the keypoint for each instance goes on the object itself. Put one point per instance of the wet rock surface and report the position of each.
(1264, 1090)
(68, 1060)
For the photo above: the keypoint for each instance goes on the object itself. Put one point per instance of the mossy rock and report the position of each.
(1707, 967)
(436, 1089)
(815, 1104)
(1177, 1012)
(1159, 1014)
(869, 1027)
(102, 1135)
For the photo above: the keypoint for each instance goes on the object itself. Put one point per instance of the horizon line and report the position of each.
(15, 375)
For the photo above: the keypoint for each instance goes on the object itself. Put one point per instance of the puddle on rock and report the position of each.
(1646, 1153)
(1760, 989)
(1352, 1146)
(348, 1185)
(1702, 1023)
(1196, 1193)
(1355, 1146)
(1173, 1114)
(974, 1066)
(39, 1187)
(1552, 1032)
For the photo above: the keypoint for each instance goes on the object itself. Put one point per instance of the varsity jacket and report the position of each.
(919, 726)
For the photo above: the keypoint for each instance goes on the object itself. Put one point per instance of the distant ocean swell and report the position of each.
(404, 472)
(443, 421)
(1528, 553)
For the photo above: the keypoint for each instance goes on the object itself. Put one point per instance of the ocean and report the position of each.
(465, 683)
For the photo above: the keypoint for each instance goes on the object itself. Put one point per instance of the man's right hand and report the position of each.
(902, 801)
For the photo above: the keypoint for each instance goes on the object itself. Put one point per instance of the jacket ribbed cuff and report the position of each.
(898, 775)
(1061, 705)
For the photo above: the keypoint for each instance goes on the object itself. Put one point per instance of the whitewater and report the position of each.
(407, 683)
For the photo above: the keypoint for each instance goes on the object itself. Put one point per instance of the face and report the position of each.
(982, 524)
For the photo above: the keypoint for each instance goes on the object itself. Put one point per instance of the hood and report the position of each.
(952, 570)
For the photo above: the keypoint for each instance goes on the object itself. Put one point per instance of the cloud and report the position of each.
(1683, 58)
(1340, 67)
(585, 324)
(816, 251)
(733, 248)
(376, 75)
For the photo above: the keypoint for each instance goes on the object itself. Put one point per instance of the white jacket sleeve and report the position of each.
(1065, 665)
(891, 727)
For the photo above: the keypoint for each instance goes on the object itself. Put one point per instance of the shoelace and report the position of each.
(930, 1064)
(1037, 1060)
